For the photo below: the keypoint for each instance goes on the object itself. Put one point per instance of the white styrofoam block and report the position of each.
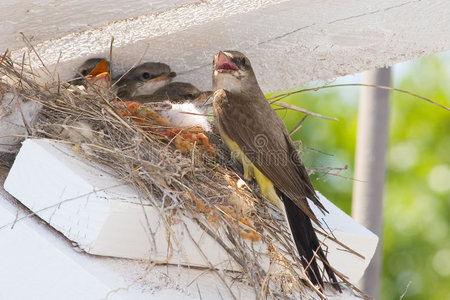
(33, 268)
(97, 211)
(105, 217)
(46, 187)
(126, 233)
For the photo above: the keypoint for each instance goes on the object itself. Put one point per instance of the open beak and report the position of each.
(101, 70)
(223, 62)
(100, 75)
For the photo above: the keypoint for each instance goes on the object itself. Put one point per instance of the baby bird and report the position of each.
(144, 79)
(178, 92)
(87, 67)
(175, 92)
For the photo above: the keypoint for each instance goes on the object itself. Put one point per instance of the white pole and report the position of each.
(370, 168)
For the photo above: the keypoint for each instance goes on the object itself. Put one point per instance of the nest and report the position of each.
(204, 187)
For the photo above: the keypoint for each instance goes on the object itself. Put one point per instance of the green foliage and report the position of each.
(416, 249)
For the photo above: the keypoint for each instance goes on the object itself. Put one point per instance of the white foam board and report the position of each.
(94, 209)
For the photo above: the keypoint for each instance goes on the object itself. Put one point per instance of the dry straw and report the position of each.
(197, 185)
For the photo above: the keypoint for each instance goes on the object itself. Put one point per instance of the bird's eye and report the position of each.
(84, 72)
(190, 96)
(146, 75)
(243, 61)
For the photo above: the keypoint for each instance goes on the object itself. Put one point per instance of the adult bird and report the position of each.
(258, 138)
(144, 79)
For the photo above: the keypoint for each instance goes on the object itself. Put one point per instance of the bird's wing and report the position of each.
(250, 121)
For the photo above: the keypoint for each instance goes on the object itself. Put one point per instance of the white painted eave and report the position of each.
(288, 42)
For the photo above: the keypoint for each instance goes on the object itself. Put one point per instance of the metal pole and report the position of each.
(370, 168)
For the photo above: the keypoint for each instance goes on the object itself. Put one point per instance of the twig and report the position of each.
(220, 242)
(138, 62)
(3, 57)
(210, 264)
(341, 244)
(279, 97)
(196, 114)
(406, 290)
(19, 106)
(56, 65)
(28, 43)
(110, 54)
(36, 212)
(296, 108)
(298, 126)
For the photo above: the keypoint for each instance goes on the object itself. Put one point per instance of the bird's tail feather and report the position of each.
(307, 244)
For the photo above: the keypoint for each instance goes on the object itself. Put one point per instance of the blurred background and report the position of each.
(416, 246)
